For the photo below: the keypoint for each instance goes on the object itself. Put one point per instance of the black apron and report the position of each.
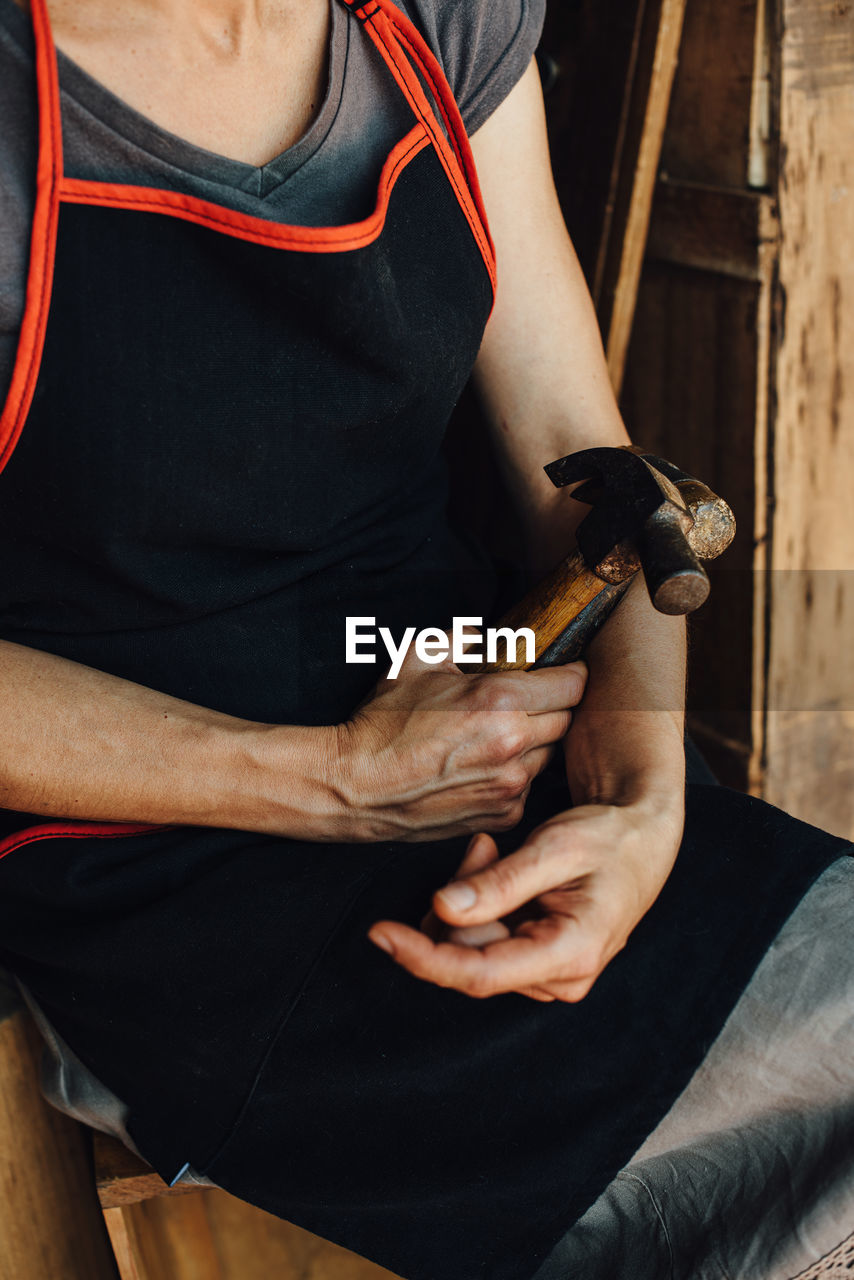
(233, 440)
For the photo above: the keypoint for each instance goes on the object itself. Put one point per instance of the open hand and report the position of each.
(547, 919)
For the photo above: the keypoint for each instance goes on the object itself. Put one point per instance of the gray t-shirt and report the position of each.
(327, 178)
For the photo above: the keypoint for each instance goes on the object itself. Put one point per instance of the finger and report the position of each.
(536, 760)
(550, 688)
(433, 926)
(550, 726)
(542, 863)
(569, 992)
(518, 961)
(536, 993)
(481, 850)
(479, 935)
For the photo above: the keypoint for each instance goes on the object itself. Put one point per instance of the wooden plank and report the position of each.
(697, 376)
(173, 1238)
(712, 228)
(606, 121)
(219, 1238)
(715, 118)
(648, 107)
(691, 393)
(123, 1245)
(123, 1178)
(50, 1221)
(596, 49)
(254, 1245)
(810, 699)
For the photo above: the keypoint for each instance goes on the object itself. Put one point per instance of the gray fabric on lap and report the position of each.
(751, 1173)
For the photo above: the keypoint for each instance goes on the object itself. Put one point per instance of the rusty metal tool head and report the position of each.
(648, 514)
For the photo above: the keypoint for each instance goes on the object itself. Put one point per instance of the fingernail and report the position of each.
(382, 941)
(459, 896)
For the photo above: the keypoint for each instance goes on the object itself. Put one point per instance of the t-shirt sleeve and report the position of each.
(484, 47)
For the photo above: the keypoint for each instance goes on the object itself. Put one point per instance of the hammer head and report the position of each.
(641, 518)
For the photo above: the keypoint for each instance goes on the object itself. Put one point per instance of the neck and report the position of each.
(229, 24)
(226, 25)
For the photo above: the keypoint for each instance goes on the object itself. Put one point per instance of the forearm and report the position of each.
(541, 373)
(78, 743)
(627, 737)
(543, 380)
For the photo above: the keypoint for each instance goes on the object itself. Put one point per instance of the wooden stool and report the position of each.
(177, 1233)
(122, 1179)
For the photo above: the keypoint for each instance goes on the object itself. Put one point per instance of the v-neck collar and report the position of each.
(117, 116)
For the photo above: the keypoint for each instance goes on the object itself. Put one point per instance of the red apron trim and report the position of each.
(246, 227)
(74, 831)
(42, 241)
(380, 28)
(382, 20)
(428, 65)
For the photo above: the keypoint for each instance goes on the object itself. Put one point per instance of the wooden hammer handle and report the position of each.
(564, 610)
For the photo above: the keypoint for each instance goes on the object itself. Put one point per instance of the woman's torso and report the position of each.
(246, 537)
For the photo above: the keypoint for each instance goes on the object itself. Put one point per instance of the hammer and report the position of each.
(646, 516)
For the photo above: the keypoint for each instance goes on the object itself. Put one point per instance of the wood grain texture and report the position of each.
(548, 609)
(809, 750)
(697, 385)
(595, 44)
(691, 394)
(121, 1239)
(744, 337)
(189, 1232)
(712, 228)
(253, 1245)
(211, 1235)
(708, 136)
(649, 102)
(123, 1178)
(50, 1222)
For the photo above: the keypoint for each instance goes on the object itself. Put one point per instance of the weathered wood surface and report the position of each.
(718, 229)
(50, 1222)
(809, 730)
(709, 138)
(606, 115)
(691, 395)
(595, 45)
(621, 259)
(195, 1233)
(123, 1178)
(210, 1235)
(743, 346)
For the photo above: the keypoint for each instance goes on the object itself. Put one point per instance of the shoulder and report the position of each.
(484, 46)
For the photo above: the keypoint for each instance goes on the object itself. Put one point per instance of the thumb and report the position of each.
(503, 885)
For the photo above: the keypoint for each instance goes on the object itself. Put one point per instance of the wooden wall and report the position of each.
(741, 366)
(809, 732)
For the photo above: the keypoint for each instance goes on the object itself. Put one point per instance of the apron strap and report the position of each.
(395, 36)
(399, 43)
(42, 239)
